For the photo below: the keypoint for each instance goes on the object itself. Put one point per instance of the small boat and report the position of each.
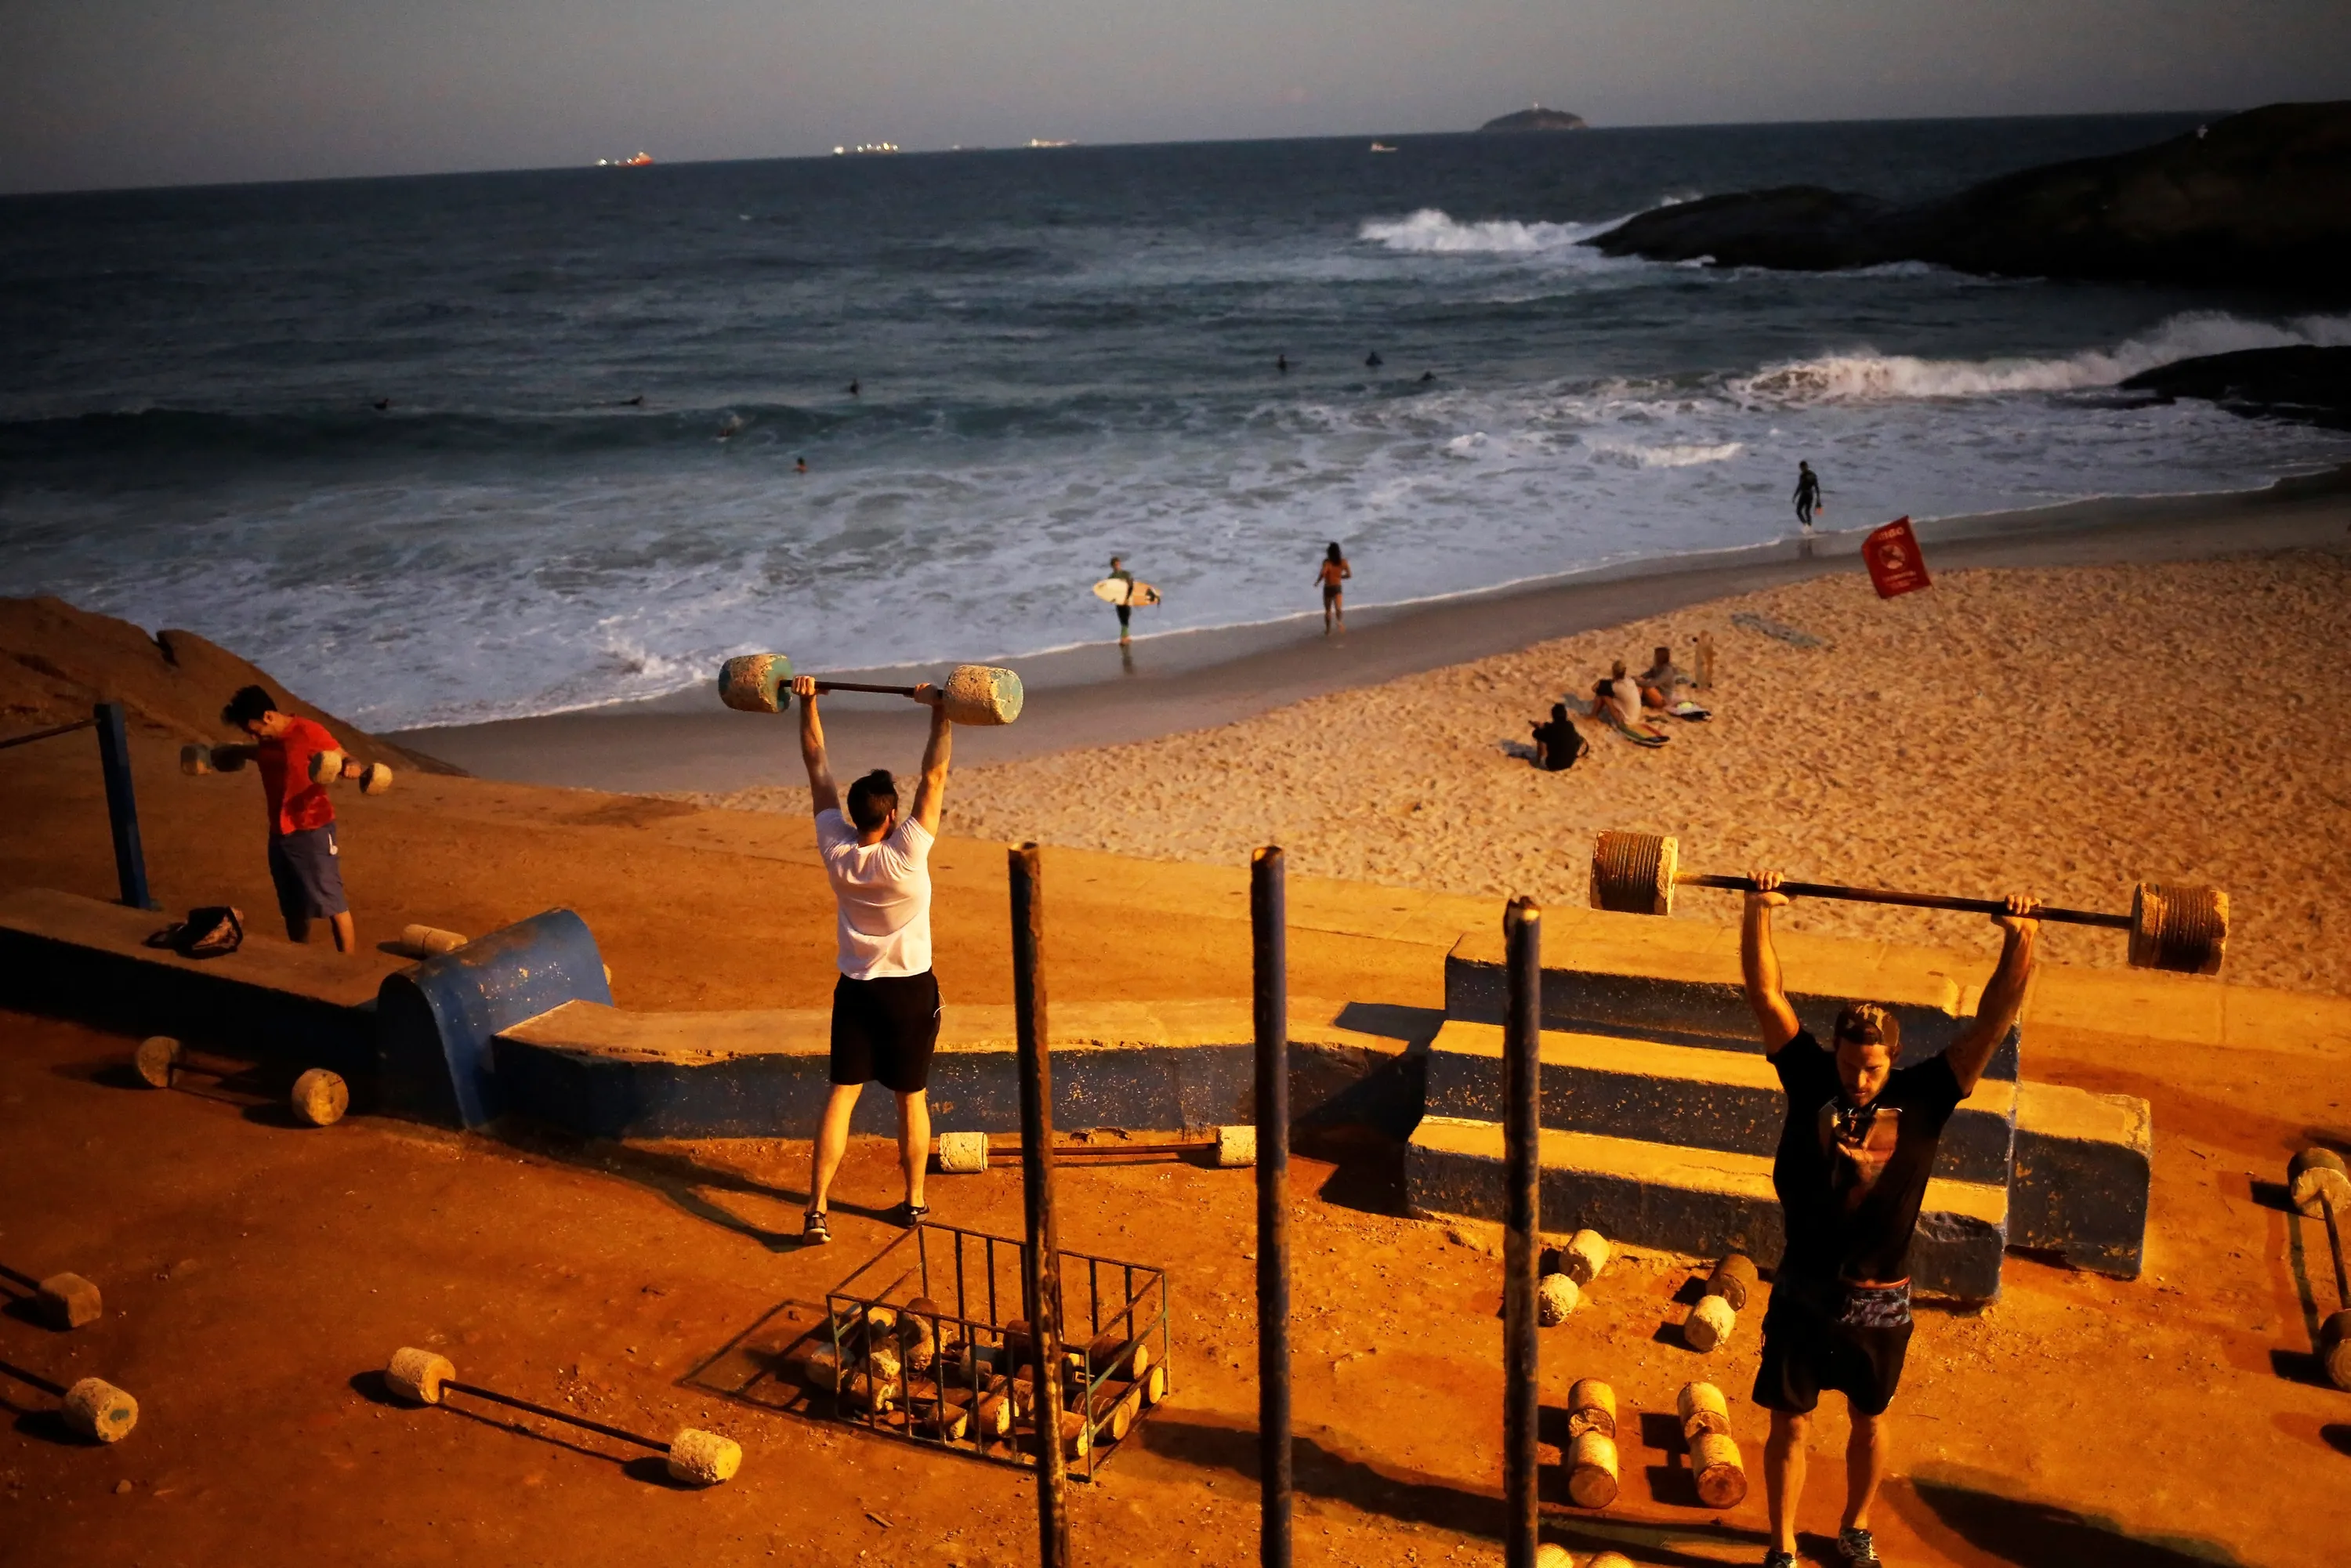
(1381, 147)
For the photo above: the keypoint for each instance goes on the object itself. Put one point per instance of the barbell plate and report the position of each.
(982, 693)
(1632, 873)
(417, 1374)
(2182, 929)
(195, 760)
(754, 683)
(2314, 1172)
(320, 1097)
(97, 1409)
(374, 778)
(704, 1458)
(155, 1057)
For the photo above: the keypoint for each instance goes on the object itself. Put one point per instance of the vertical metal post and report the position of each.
(1269, 953)
(122, 806)
(1041, 1274)
(1522, 1175)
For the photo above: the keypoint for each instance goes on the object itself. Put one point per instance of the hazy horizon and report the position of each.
(108, 94)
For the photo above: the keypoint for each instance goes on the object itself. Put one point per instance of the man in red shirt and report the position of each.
(304, 862)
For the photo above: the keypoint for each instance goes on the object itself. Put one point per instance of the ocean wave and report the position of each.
(1863, 376)
(1670, 454)
(1430, 232)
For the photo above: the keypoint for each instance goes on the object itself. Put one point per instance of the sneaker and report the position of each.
(1778, 1560)
(1858, 1548)
(814, 1232)
(907, 1216)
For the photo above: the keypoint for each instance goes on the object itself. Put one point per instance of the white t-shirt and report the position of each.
(883, 891)
(1624, 696)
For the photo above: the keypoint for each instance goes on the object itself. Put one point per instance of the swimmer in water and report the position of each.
(800, 465)
(1281, 363)
(1372, 361)
(853, 389)
(1429, 375)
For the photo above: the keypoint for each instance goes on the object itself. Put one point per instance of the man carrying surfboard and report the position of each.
(1125, 609)
(885, 1005)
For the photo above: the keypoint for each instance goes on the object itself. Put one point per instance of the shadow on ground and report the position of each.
(1971, 1506)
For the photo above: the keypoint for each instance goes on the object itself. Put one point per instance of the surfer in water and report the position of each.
(1126, 611)
(1808, 494)
(1330, 572)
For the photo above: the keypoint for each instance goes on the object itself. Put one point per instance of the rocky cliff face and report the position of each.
(2260, 198)
(2300, 382)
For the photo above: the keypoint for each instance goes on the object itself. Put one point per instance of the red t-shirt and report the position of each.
(295, 803)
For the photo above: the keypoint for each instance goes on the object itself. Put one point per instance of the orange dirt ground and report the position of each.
(256, 1275)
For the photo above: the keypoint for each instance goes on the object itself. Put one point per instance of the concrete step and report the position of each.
(1699, 1201)
(1678, 981)
(1687, 1095)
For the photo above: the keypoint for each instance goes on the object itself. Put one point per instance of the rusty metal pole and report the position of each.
(122, 805)
(1270, 953)
(1040, 1273)
(1521, 1216)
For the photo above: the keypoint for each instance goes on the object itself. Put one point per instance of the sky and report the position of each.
(97, 93)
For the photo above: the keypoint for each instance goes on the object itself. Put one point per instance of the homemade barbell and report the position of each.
(319, 1097)
(1714, 1314)
(696, 1456)
(93, 1407)
(2183, 929)
(2320, 1186)
(64, 1302)
(974, 694)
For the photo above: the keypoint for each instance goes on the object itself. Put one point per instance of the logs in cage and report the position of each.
(695, 1457)
(2182, 929)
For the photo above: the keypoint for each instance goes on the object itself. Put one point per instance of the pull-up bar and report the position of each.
(122, 805)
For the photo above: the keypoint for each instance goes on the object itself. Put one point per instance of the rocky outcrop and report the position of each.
(1537, 119)
(56, 660)
(2300, 382)
(2260, 198)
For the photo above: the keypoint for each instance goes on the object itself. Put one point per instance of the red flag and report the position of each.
(1895, 564)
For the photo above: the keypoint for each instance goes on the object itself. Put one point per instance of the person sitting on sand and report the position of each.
(1661, 680)
(1618, 696)
(885, 1005)
(305, 860)
(1332, 571)
(1559, 743)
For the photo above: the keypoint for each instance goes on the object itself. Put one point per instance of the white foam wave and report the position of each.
(1864, 376)
(1683, 454)
(1429, 231)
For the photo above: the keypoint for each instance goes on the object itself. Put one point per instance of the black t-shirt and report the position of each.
(1562, 744)
(1851, 1182)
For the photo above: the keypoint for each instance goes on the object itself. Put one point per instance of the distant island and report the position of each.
(1537, 119)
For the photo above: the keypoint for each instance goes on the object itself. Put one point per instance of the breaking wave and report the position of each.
(1863, 376)
(1429, 231)
(1669, 456)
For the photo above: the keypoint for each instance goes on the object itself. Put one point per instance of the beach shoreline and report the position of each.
(1087, 697)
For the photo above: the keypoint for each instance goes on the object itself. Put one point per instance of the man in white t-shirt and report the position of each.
(885, 1005)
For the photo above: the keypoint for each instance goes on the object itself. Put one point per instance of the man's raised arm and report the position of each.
(2003, 995)
(931, 795)
(822, 796)
(1775, 1020)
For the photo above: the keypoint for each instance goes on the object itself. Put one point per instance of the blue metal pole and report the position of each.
(122, 805)
(1268, 942)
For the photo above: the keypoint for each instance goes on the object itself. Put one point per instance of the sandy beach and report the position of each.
(2069, 730)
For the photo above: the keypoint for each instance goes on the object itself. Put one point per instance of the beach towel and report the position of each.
(1779, 628)
(1642, 736)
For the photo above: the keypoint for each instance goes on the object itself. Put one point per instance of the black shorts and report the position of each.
(1810, 1342)
(884, 1030)
(307, 868)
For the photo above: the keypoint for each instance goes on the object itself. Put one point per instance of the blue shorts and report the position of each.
(307, 869)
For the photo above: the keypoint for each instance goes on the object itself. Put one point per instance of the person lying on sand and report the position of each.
(305, 860)
(1558, 743)
(885, 1005)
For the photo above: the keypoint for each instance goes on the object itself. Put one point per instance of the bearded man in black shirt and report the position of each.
(1851, 1174)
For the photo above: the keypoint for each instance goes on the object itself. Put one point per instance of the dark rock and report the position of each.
(1537, 119)
(2303, 382)
(2260, 198)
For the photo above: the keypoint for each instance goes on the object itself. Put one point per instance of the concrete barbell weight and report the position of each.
(974, 693)
(695, 1457)
(318, 1098)
(195, 761)
(1591, 1408)
(2183, 929)
(1555, 1299)
(1716, 1468)
(1709, 1324)
(2319, 1186)
(93, 1407)
(1702, 1409)
(430, 941)
(326, 767)
(1591, 1469)
(1733, 1280)
(65, 1302)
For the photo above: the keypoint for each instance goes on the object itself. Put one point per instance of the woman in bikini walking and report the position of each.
(1332, 571)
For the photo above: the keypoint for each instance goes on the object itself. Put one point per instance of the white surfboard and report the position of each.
(1118, 590)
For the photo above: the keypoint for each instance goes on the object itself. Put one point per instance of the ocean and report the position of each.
(595, 385)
